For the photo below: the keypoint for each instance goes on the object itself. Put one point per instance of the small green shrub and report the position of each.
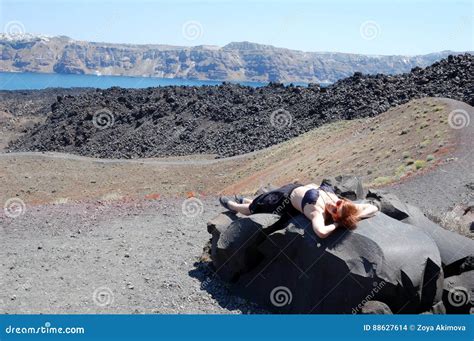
(419, 164)
(400, 170)
(425, 143)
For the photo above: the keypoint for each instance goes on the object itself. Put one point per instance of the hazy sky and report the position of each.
(359, 26)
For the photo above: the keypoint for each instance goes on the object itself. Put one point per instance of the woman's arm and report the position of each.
(319, 227)
(366, 210)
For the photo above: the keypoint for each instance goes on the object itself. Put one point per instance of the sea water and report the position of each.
(27, 80)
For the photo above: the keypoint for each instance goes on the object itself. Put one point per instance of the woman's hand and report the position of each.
(366, 210)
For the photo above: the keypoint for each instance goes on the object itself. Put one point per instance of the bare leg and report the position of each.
(247, 201)
(241, 208)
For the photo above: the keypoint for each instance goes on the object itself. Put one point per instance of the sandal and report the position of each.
(224, 202)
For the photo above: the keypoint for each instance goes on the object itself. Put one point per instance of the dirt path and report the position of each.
(170, 161)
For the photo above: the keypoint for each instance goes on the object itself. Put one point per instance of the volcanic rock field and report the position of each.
(228, 119)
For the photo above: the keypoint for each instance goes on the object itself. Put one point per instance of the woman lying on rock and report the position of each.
(319, 204)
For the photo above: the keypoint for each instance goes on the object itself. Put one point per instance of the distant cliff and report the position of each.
(242, 61)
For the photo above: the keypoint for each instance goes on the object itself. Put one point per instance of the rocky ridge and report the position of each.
(238, 61)
(229, 119)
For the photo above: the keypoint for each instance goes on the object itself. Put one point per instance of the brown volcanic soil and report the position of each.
(123, 228)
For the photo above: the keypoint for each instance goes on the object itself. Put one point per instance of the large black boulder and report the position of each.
(453, 247)
(388, 203)
(291, 270)
(396, 262)
(347, 186)
(456, 251)
(234, 242)
(458, 293)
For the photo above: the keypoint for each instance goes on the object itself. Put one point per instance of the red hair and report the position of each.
(348, 216)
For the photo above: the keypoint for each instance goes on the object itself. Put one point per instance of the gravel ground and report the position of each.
(112, 258)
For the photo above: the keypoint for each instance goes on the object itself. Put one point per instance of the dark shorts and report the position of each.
(276, 201)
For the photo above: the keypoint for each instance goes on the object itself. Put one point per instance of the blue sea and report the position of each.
(22, 81)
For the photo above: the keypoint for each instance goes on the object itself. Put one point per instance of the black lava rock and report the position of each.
(397, 261)
(294, 271)
(228, 119)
